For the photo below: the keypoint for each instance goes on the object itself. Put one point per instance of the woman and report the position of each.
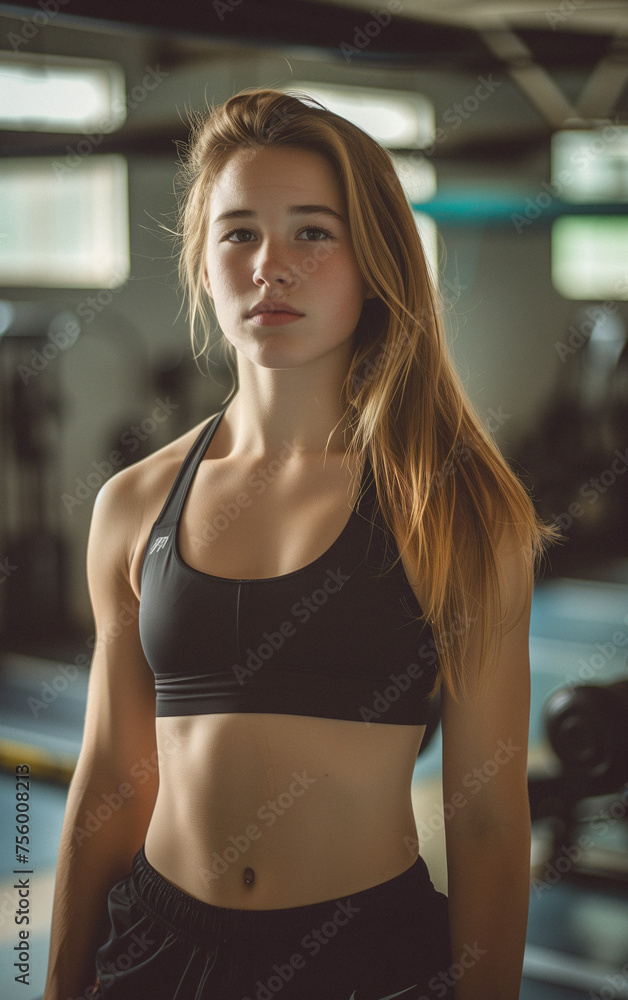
(313, 562)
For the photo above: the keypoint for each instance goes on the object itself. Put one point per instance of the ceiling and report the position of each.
(443, 34)
(597, 16)
(539, 43)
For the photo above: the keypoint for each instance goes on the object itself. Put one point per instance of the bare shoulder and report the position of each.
(144, 485)
(515, 569)
(129, 502)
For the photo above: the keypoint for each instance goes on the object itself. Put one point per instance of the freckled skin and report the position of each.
(324, 282)
(253, 838)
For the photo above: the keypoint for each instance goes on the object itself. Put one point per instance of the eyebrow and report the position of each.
(247, 213)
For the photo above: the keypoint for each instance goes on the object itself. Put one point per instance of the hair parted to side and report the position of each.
(443, 486)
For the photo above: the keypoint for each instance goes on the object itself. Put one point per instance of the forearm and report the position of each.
(89, 864)
(489, 888)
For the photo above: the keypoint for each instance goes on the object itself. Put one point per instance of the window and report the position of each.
(590, 257)
(591, 165)
(590, 252)
(64, 226)
(398, 119)
(41, 93)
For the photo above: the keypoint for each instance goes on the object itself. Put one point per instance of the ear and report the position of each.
(205, 279)
(371, 294)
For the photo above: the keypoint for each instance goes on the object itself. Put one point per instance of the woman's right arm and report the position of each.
(113, 790)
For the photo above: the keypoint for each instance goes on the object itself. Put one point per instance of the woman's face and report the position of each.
(279, 236)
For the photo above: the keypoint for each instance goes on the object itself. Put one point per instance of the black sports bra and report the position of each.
(338, 639)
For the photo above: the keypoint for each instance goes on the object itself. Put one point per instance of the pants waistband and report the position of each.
(198, 919)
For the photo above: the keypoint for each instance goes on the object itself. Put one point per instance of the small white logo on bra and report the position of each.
(158, 544)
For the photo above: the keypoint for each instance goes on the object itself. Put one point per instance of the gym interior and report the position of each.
(508, 124)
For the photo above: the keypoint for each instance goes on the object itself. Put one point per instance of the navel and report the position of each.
(249, 876)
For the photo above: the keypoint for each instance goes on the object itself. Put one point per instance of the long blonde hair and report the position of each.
(442, 484)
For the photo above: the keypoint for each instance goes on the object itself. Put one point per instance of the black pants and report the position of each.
(389, 940)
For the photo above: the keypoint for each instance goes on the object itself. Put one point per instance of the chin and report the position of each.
(277, 352)
(279, 360)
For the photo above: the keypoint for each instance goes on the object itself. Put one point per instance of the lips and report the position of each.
(273, 306)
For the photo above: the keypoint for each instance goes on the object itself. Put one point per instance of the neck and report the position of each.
(300, 406)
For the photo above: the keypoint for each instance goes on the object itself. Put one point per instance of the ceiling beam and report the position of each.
(404, 41)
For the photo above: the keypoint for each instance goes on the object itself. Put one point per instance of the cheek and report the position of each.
(226, 291)
(343, 283)
(224, 301)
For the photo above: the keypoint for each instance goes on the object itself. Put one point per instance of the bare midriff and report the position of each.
(264, 811)
(267, 811)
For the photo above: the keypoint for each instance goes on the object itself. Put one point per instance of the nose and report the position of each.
(273, 269)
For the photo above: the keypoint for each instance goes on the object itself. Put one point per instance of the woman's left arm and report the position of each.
(485, 741)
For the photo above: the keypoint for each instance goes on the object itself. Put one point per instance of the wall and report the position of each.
(504, 316)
